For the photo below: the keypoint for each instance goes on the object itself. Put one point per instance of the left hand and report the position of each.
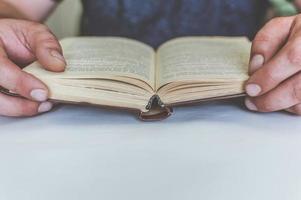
(275, 67)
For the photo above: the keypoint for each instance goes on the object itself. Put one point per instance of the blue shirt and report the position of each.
(155, 21)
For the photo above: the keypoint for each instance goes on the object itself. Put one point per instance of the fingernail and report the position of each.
(39, 95)
(250, 105)
(256, 62)
(45, 107)
(57, 55)
(12, 92)
(253, 90)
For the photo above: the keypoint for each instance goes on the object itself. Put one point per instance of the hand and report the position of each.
(22, 42)
(275, 67)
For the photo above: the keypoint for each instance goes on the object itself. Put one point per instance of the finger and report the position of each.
(285, 64)
(268, 41)
(295, 109)
(20, 82)
(283, 97)
(18, 107)
(47, 49)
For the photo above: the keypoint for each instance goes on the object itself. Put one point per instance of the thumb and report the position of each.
(47, 49)
(268, 41)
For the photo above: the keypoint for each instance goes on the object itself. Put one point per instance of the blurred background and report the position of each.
(65, 20)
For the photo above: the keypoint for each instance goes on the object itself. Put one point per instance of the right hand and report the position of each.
(21, 43)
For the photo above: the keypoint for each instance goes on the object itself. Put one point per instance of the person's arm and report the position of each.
(23, 40)
(34, 10)
(275, 67)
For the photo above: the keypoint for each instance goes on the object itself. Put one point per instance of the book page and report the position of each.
(202, 58)
(107, 57)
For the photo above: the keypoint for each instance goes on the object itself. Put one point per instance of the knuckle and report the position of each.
(298, 17)
(262, 37)
(45, 36)
(278, 20)
(265, 105)
(294, 53)
(22, 85)
(39, 26)
(260, 47)
(296, 89)
(4, 65)
(35, 26)
(40, 31)
(269, 77)
(261, 42)
(49, 42)
(297, 111)
(17, 107)
(20, 82)
(27, 109)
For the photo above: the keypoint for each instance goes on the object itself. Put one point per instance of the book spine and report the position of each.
(157, 110)
(155, 100)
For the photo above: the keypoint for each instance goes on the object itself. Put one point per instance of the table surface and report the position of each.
(210, 151)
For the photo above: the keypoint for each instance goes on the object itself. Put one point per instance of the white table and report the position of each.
(211, 151)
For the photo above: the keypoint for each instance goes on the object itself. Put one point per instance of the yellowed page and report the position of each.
(105, 57)
(104, 97)
(202, 59)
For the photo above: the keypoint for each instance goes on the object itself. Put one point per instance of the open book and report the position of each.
(124, 73)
